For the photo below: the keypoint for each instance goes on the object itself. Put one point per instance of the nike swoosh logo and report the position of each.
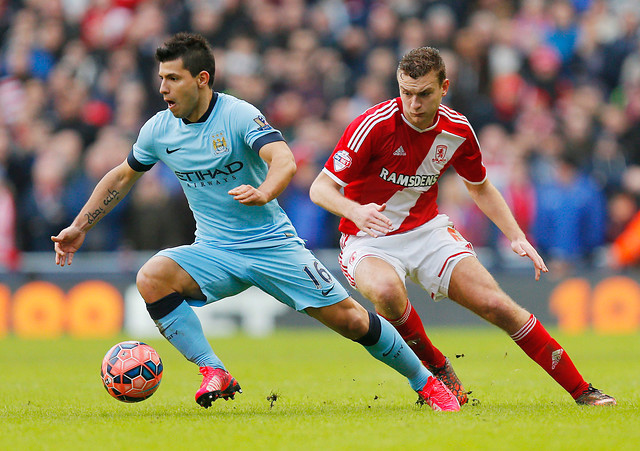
(327, 291)
(172, 150)
(384, 354)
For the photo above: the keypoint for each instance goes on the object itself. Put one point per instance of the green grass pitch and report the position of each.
(330, 395)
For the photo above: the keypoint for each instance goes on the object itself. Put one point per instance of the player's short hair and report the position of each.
(421, 61)
(193, 49)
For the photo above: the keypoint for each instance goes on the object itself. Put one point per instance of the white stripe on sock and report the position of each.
(524, 330)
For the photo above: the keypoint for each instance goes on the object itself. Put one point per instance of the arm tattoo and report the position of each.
(95, 215)
(113, 195)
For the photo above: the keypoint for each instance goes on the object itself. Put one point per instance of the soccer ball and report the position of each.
(131, 371)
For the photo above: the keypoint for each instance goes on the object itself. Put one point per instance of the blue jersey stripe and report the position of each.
(136, 165)
(266, 139)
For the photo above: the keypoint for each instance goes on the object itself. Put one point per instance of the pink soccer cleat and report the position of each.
(446, 374)
(217, 383)
(438, 396)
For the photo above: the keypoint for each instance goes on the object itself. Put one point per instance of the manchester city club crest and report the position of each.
(219, 143)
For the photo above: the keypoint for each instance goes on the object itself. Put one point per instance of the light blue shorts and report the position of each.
(289, 272)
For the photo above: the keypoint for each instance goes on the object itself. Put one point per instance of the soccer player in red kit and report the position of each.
(388, 162)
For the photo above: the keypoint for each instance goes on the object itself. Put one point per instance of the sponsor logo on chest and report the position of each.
(408, 180)
(210, 177)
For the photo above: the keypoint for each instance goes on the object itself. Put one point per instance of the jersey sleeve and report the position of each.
(351, 153)
(256, 131)
(468, 163)
(143, 155)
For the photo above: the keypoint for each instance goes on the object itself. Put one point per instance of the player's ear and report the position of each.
(445, 87)
(203, 79)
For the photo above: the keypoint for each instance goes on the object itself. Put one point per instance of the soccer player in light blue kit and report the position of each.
(232, 165)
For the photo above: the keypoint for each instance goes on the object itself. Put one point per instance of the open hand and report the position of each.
(67, 243)
(523, 248)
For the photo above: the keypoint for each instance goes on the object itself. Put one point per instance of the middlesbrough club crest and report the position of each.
(441, 154)
(341, 160)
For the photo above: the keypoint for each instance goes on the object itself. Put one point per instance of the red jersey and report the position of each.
(382, 158)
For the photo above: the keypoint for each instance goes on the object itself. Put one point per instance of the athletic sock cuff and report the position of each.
(524, 330)
(397, 322)
(162, 307)
(373, 334)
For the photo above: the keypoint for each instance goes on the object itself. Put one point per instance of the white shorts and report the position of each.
(426, 254)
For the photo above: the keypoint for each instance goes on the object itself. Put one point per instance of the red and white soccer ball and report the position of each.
(131, 371)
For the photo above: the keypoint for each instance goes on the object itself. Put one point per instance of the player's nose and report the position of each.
(163, 87)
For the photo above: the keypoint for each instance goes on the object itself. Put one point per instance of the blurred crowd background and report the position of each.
(552, 88)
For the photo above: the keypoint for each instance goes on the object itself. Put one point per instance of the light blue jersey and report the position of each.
(210, 157)
(236, 245)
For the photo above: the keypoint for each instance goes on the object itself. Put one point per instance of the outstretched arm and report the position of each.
(490, 201)
(282, 167)
(109, 191)
(369, 218)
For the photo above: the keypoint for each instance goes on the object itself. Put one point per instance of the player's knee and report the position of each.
(389, 299)
(356, 324)
(359, 325)
(143, 283)
(148, 281)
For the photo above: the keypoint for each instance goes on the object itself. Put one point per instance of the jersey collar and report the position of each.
(207, 113)
(420, 130)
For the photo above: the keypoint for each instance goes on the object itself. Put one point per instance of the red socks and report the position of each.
(536, 342)
(410, 328)
(533, 338)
